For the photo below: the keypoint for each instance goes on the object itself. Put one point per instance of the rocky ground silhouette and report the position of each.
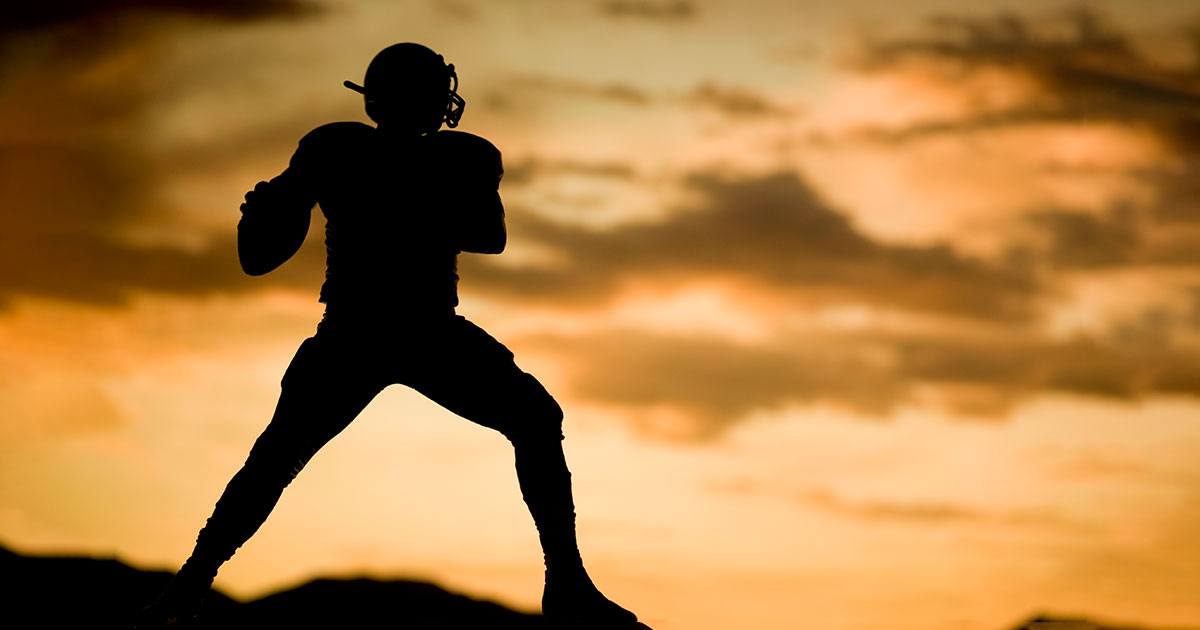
(99, 593)
(83, 592)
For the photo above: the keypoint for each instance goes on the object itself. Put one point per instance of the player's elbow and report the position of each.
(255, 267)
(496, 245)
(255, 271)
(492, 243)
(253, 262)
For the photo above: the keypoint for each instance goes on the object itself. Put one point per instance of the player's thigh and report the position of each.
(322, 391)
(475, 376)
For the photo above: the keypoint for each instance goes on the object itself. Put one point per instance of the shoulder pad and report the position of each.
(337, 134)
(473, 153)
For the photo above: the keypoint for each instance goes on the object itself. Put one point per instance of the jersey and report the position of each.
(398, 211)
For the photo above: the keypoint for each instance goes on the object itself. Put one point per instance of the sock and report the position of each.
(546, 487)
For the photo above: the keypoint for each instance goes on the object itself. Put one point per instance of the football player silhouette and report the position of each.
(401, 200)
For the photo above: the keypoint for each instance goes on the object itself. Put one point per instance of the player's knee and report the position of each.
(545, 425)
(541, 419)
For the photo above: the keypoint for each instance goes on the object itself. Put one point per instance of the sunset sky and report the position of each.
(864, 315)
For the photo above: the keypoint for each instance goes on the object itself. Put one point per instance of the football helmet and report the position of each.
(400, 70)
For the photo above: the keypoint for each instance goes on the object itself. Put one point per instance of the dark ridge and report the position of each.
(81, 592)
(368, 603)
(1050, 622)
(94, 593)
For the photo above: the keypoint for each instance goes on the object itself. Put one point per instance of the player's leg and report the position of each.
(474, 376)
(321, 392)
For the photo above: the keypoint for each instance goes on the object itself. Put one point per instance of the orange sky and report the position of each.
(868, 316)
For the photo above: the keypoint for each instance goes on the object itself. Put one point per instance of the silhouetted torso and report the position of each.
(395, 221)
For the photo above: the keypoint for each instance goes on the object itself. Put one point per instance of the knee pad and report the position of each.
(539, 416)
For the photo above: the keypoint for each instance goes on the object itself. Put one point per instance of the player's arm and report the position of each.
(483, 230)
(479, 227)
(276, 215)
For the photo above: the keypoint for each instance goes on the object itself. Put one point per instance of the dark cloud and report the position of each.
(926, 513)
(892, 511)
(529, 169)
(1085, 240)
(1096, 367)
(895, 511)
(68, 207)
(1084, 70)
(1177, 188)
(1087, 69)
(101, 269)
(1028, 114)
(74, 178)
(1193, 314)
(730, 101)
(716, 383)
(1092, 465)
(798, 52)
(458, 10)
(20, 16)
(1006, 39)
(734, 102)
(665, 10)
(770, 232)
(614, 92)
(1115, 366)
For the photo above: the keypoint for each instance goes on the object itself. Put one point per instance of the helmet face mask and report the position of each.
(454, 108)
(403, 89)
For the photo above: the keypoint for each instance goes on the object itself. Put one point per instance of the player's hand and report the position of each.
(257, 196)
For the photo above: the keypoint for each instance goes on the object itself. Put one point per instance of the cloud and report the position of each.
(62, 404)
(74, 174)
(1084, 240)
(103, 270)
(532, 168)
(1160, 560)
(19, 16)
(925, 512)
(1096, 367)
(1090, 465)
(1062, 78)
(621, 93)
(734, 102)
(665, 10)
(888, 510)
(712, 383)
(794, 53)
(1177, 188)
(730, 101)
(457, 10)
(772, 232)
(67, 209)
(1086, 69)
(892, 511)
